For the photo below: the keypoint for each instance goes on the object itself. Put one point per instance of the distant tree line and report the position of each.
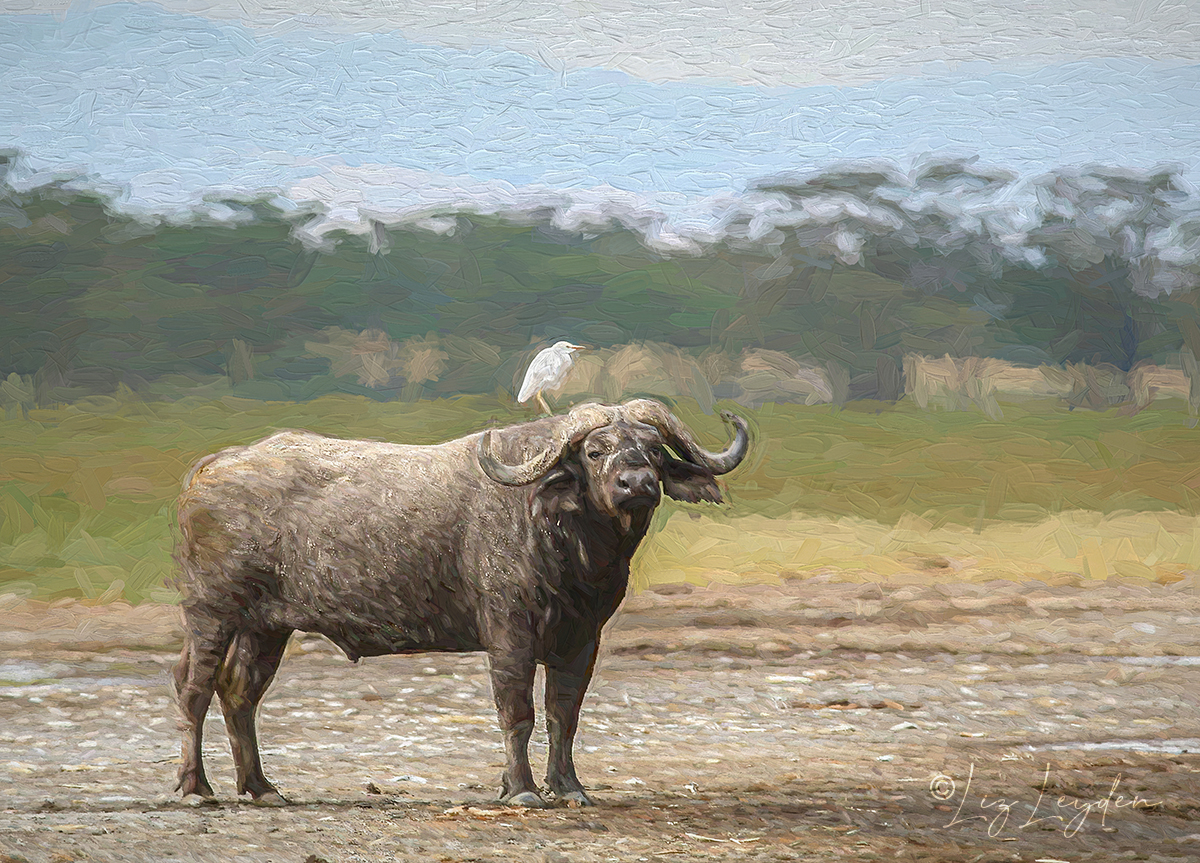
(853, 272)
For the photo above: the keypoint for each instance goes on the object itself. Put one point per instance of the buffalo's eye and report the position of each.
(595, 454)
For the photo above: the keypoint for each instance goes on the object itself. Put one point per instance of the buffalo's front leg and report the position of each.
(565, 686)
(512, 687)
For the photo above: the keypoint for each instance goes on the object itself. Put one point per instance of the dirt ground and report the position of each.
(807, 721)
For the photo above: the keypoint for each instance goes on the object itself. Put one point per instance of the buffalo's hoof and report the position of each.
(208, 800)
(199, 787)
(528, 799)
(270, 798)
(574, 799)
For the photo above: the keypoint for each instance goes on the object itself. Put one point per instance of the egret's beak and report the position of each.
(578, 347)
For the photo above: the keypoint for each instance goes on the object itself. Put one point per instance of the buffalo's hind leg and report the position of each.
(195, 676)
(247, 670)
(565, 687)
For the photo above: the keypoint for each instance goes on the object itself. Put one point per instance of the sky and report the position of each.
(383, 110)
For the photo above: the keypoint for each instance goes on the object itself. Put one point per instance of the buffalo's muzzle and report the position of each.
(637, 488)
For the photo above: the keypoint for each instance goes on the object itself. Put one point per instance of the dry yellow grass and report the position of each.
(866, 491)
(1066, 548)
(947, 381)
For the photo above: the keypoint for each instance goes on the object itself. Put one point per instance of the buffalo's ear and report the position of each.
(690, 483)
(555, 493)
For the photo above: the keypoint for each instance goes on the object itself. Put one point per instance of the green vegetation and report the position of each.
(89, 300)
(127, 351)
(86, 490)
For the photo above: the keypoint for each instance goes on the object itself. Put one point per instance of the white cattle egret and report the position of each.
(547, 372)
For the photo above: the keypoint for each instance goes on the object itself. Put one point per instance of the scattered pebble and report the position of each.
(716, 725)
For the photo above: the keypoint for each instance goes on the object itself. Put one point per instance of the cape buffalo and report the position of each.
(515, 542)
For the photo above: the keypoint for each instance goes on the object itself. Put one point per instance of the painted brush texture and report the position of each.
(305, 212)
(941, 256)
(516, 542)
(206, 203)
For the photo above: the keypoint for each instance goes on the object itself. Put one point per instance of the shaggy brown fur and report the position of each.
(386, 548)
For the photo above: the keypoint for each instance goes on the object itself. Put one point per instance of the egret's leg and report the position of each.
(542, 402)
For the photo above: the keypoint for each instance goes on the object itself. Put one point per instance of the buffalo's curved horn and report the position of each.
(506, 474)
(678, 435)
(566, 430)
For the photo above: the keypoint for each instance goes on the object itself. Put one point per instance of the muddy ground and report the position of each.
(809, 721)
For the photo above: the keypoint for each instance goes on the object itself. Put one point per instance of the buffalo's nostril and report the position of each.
(637, 488)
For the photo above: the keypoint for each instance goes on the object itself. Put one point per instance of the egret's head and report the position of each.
(568, 347)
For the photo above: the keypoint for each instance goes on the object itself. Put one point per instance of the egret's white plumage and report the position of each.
(548, 371)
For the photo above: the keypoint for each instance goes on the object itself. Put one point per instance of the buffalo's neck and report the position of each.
(595, 549)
